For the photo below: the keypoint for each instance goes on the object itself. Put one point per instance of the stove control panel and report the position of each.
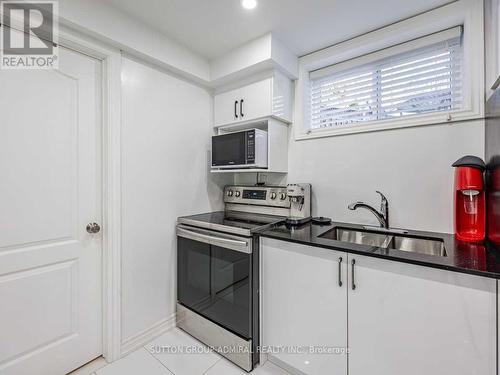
(274, 196)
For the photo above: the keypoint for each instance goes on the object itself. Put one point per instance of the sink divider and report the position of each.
(387, 242)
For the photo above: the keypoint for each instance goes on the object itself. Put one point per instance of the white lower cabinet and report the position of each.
(303, 306)
(414, 320)
(398, 319)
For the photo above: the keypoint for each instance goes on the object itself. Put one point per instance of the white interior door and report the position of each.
(50, 188)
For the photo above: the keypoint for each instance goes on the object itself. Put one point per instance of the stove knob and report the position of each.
(283, 196)
(229, 193)
(237, 194)
(273, 195)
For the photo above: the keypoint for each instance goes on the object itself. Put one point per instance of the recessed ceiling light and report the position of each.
(248, 4)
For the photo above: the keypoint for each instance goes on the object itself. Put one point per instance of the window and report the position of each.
(415, 78)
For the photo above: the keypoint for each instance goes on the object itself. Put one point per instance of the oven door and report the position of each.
(229, 150)
(214, 277)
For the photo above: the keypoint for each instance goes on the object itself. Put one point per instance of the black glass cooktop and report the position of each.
(231, 221)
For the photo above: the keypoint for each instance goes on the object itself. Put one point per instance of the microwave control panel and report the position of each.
(250, 146)
(274, 196)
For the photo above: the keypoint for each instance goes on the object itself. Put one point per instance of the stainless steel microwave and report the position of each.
(243, 149)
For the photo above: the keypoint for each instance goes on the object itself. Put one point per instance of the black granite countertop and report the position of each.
(477, 259)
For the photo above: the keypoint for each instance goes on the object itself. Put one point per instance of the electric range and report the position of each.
(218, 270)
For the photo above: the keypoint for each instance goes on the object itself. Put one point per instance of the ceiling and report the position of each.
(213, 27)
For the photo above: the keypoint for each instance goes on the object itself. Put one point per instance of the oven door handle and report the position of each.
(238, 245)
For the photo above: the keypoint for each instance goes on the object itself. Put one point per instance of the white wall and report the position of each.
(412, 167)
(166, 132)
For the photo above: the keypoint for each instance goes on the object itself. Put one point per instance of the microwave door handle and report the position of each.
(195, 236)
(235, 109)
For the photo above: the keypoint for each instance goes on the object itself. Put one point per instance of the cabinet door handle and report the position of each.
(353, 262)
(235, 109)
(340, 271)
(241, 108)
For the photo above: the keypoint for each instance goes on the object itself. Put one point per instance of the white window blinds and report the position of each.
(418, 77)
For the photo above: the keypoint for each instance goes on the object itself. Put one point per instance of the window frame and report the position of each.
(465, 13)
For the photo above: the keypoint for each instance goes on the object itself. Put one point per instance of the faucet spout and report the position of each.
(382, 217)
(355, 205)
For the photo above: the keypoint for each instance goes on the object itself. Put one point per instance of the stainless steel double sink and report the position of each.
(387, 239)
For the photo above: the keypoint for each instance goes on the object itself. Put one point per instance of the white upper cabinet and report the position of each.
(304, 301)
(256, 100)
(266, 98)
(413, 320)
(226, 107)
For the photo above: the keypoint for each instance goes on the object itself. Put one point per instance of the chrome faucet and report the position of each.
(382, 216)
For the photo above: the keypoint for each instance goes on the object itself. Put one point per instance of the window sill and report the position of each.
(392, 124)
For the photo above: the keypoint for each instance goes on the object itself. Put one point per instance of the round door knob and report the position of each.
(93, 228)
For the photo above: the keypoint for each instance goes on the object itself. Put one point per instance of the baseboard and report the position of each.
(285, 366)
(91, 367)
(142, 338)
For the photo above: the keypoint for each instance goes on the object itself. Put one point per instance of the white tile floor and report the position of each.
(148, 361)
